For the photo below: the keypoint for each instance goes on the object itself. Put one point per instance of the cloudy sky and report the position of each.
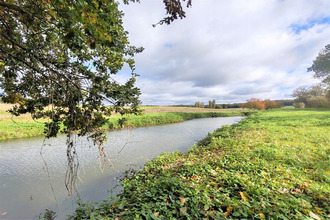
(227, 50)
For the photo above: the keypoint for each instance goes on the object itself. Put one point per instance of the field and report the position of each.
(272, 165)
(25, 126)
(158, 109)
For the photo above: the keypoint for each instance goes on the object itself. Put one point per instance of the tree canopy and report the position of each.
(58, 59)
(64, 54)
(311, 97)
(321, 66)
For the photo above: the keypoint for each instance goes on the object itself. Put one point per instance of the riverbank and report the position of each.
(24, 126)
(272, 165)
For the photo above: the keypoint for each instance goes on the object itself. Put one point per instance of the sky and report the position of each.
(227, 50)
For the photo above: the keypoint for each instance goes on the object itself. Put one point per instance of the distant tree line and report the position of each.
(212, 104)
(199, 104)
(258, 104)
(265, 104)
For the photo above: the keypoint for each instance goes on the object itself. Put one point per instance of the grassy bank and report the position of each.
(273, 165)
(24, 126)
(152, 119)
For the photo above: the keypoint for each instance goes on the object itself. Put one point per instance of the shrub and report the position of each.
(255, 104)
(270, 104)
(318, 102)
(299, 105)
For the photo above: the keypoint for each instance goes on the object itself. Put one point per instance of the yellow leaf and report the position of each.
(229, 209)
(182, 200)
(303, 187)
(318, 211)
(88, 41)
(156, 214)
(244, 196)
(262, 216)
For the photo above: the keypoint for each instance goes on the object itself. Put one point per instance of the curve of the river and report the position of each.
(25, 186)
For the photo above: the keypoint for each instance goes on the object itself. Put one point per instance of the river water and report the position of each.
(32, 170)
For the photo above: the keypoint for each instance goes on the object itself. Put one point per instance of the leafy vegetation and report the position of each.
(58, 60)
(272, 165)
(321, 66)
(64, 54)
(258, 104)
(199, 104)
(311, 97)
(316, 96)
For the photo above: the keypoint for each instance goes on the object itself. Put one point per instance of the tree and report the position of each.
(321, 66)
(199, 104)
(213, 103)
(254, 103)
(311, 97)
(58, 59)
(174, 11)
(270, 104)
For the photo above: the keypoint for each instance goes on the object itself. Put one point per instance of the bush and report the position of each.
(318, 102)
(270, 104)
(299, 105)
(255, 104)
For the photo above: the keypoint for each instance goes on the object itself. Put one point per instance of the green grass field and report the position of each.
(24, 126)
(272, 165)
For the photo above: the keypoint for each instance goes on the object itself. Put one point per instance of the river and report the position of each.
(30, 183)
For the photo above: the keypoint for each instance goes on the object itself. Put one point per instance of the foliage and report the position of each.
(235, 105)
(299, 105)
(311, 97)
(255, 104)
(48, 215)
(48, 49)
(270, 104)
(258, 104)
(212, 104)
(321, 66)
(58, 61)
(199, 104)
(273, 165)
(174, 11)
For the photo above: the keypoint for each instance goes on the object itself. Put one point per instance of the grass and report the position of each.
(272, 165)
(152, 119)
(24, 126)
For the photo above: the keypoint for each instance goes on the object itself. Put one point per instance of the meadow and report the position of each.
(272, 165)
(24, 126)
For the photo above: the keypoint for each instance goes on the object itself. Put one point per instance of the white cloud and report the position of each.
(227, 50)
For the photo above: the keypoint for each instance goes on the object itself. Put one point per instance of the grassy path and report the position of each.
(273, 165)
